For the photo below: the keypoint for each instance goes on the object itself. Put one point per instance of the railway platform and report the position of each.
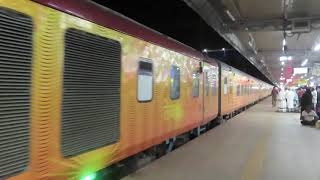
(258, 144)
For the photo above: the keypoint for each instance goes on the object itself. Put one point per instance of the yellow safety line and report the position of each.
(254, 166)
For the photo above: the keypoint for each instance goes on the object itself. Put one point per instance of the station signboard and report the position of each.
(303, 70)
(316, 69)
(302, 82)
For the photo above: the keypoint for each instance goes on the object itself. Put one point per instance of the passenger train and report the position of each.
(83, 88)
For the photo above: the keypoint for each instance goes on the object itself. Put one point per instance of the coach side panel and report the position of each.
(96, 95)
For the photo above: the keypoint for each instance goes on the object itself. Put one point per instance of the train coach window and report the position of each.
(238, 90)
(245, 89)
(231, 87)
(207, 85)
(242, 89)
(91, 92)
(195, 84)
(175, 82)
(214, 85)
(145, 81)
(225, 86)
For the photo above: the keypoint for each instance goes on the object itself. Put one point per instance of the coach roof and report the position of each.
(103, 16)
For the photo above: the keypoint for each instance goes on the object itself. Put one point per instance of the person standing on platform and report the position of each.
(290, 100)
(274, 94)
(296, 100)
(318, 101)
(306, 100)
(314, 97)
(300, 92)
(282, 104)
(286, 95)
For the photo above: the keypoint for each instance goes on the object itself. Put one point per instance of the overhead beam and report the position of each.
(290, 52)
(276, 24)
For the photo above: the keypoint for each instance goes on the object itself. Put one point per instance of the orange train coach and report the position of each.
(83, 88)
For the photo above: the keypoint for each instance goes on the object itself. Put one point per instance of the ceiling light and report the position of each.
(282, 63)
(283, 58)
(223, 49)
(317, 47)
(284, 42)
(304, 62)
(281, 69)
(205, 50)
(230, 15)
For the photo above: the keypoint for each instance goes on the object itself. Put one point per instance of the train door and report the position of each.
(206, 93)
(230, 85)
(224, 91)
(210, 101)
(225, 88)
(196, 107)
(202, 90)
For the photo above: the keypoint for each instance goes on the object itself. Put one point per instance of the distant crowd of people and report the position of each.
(289, 100)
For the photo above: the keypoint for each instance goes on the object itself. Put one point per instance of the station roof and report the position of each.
(257, 28)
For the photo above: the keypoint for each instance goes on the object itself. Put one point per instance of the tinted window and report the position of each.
(195, 84)
(225, 86)
(214, 85)
(207, 85)
(238, 90)
(175, 82)
(145, 81)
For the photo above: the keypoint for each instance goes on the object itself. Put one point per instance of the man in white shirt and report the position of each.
(309, 117)
(282, 103)
(290, 100)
